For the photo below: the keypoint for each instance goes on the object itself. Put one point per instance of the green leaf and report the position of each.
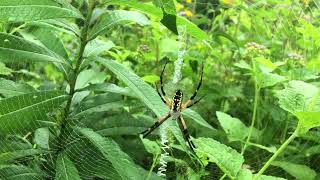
(99, 103)
(89, 76)
(244, 174)
(145, 92)
(145, 8)
(96, 47)
(31, 10)
(233, 127)
(266, 79)
(112, 152)
(151, 78)
(4, 70)
(226, 158)
(17, 154)
(65, 169)
(16, 49)
(108, 87)
(299, 96)
(169, 18)
(41, 138)
(307, 120)
(121, 124)
(9, 88)
(191, 28)
(266, 63)
(28, 111)
(57, 25)
(110, 19)
(298, 171)
(51, 40)
(18, 172)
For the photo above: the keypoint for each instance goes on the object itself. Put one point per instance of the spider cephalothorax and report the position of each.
(176, 107)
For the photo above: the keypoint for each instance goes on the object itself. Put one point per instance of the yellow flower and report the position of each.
(228, 2)
(189, 1)
(179, 7)
(188, 13)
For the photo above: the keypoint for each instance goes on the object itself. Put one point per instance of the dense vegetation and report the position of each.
(78, 80)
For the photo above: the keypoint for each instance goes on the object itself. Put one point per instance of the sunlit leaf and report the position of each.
(15, 49)
(110, 19)
(30, 10)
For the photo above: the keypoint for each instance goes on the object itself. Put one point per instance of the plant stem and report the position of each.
(79, 59)
(275, 155)
(255, 106)
(155, 160)
(75, 73)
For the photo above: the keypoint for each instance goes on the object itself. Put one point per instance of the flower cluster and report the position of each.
(257, 49)
(294, 56)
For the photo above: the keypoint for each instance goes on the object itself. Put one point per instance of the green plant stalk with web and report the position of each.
(79, 59)
(255, 106)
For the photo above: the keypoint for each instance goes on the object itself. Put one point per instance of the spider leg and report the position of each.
(161, 79)
(155, 125)
(194, 102)
(164, 98)
(185, 132)
(190, 102)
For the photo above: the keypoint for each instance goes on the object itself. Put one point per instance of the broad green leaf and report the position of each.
(9, 88)
(65, 169)
(96, 47)
(151, 146)
(15, 49)
(145, 92)
(41, 138)
(307, 120)
(243, 65)
(233, 127)
(266, 63)
(298, 171)
(265, 79)
(110, 19)
(169, 18)
(112, 152)
(18, 172)
(31, 10)
(226, 158)
(27, 112)
(302, 100)
(299, 96)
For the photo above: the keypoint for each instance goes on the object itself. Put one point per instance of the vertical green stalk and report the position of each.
(75, 72)
(255, 106)
(276, 154)
(79, 59)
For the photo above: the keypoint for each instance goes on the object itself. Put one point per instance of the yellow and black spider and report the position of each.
(176, 107)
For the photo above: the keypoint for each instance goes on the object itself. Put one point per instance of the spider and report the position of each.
(176, 107)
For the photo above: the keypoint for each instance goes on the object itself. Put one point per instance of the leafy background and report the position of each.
(77, 86)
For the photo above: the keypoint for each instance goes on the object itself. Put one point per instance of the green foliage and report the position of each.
(78, 79)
